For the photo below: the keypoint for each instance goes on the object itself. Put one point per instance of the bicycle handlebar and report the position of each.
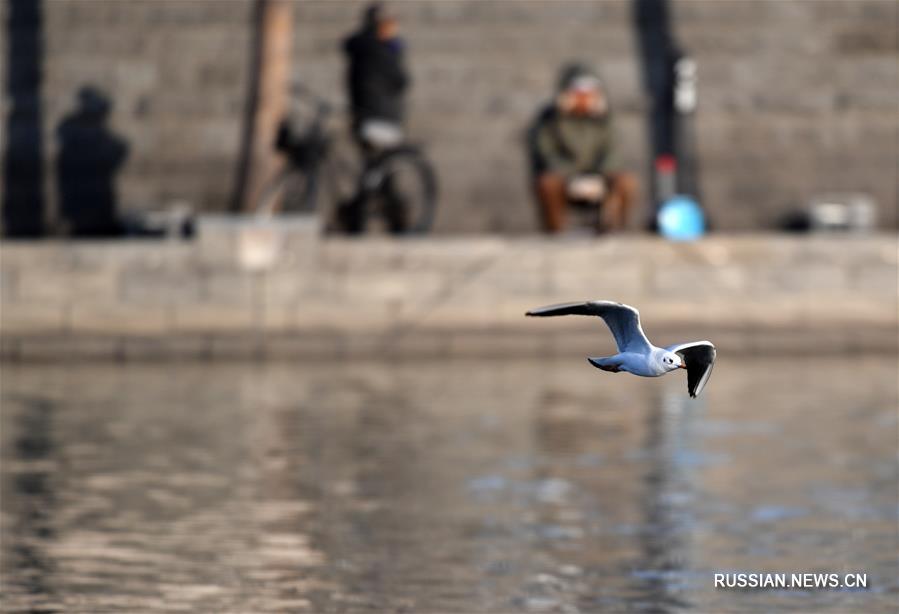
(322, 105)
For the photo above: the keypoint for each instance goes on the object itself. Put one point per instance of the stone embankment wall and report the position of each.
(257, 291)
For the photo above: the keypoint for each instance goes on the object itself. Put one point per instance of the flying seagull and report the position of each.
(635, 353)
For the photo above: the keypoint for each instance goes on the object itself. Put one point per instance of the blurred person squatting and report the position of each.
(573, 155)
(377, 80)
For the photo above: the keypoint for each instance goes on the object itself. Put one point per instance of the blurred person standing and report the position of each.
(377, 82)
(377, 79)
(573, 155)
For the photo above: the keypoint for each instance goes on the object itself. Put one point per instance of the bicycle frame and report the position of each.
(313, 156)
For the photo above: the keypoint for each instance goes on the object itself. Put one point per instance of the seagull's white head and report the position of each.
(672, 361)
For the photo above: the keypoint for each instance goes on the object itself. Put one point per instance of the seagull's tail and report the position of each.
(606, 363)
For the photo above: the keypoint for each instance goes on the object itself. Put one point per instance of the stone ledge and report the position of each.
(439, 296)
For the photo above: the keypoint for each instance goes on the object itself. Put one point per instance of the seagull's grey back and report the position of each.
(624, 322)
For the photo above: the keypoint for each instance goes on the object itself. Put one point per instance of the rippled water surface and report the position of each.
(460, 486)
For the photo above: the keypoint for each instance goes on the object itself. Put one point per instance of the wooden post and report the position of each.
(267, 100)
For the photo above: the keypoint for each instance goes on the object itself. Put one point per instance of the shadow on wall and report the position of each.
(90, 155)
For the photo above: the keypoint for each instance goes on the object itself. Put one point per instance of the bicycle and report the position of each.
(394, 184)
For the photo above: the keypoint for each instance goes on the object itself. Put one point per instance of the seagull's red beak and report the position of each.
(683, 364)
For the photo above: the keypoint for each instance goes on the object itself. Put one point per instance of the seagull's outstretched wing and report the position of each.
(699, 357)
(622, 320)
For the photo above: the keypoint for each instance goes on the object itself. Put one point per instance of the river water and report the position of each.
(461, 486)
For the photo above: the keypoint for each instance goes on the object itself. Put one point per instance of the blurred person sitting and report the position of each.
(377, 80)
(90, 155)
(573, 155)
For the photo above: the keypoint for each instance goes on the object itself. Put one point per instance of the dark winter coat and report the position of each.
(376, 77)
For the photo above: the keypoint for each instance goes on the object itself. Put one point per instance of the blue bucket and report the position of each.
(680, 218)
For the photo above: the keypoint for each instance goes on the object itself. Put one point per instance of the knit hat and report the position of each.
(577, 75)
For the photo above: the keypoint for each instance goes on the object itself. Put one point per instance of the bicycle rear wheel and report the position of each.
(407, 191)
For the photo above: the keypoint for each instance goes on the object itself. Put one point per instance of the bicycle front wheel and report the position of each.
(290, 191)
(407, 191)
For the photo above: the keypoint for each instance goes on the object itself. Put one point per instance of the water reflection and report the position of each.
(450, 487)
(668, 502)
(32, 520)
